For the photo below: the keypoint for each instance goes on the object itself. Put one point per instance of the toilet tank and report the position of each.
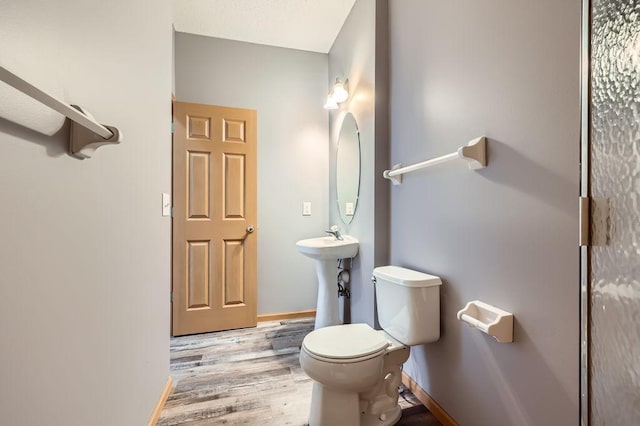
(408, 304)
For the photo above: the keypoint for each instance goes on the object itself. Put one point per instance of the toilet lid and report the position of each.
(344, 341)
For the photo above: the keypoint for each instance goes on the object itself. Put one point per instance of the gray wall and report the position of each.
(288, 89)
(354, 55)
(506, 235)
(85, 253)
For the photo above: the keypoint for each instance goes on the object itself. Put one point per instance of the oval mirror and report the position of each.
(348, 168)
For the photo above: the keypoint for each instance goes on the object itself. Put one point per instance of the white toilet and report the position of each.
(356, 369)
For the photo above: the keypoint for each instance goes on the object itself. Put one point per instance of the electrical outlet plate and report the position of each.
(348, 207)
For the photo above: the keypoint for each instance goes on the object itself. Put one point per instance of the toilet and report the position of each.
(357, 370)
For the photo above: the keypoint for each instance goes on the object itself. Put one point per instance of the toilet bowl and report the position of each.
(357, 370)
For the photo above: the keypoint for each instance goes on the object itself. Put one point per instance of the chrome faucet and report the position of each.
(335, 232)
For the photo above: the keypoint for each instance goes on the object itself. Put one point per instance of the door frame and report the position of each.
(585, 295)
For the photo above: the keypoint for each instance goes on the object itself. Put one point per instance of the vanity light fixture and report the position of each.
(331, 103)
(338, 94)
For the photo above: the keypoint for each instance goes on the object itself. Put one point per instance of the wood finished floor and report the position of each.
(251, 377)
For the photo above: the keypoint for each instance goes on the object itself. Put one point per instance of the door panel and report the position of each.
(198, 279)
(198, 178)
(234, 265)
(214, 184)
(234, 186)
(234, 131)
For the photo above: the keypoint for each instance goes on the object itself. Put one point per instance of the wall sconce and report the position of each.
(338, 94)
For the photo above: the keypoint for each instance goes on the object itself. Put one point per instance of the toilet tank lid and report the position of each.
(406, 277)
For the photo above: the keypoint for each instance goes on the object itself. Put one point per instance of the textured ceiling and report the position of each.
(298, 24)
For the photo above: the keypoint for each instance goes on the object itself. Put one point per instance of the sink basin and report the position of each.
(325, 251)
(326, 248)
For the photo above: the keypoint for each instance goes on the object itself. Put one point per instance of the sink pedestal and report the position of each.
(327, 308)
(326, 251)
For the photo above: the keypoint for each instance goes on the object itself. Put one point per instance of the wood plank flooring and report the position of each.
(250, 377)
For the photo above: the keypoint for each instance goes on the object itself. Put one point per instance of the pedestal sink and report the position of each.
(325, 251)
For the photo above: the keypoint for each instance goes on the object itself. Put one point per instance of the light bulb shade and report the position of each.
(331, 103)
(339, 93)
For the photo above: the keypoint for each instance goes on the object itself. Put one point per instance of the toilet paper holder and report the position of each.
(488, 319)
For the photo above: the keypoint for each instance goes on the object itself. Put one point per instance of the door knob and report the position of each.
(250, 229)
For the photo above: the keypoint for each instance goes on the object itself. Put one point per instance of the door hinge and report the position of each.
(171, 297)
(584, 224)
(595, 223)
(172, 127)
(171, 211)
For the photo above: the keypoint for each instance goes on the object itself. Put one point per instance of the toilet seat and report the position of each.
(345, 343)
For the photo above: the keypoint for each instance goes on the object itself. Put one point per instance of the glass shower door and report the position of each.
(614, 184)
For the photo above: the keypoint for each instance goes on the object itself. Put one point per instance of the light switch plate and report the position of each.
(166, 204)
(306, 208)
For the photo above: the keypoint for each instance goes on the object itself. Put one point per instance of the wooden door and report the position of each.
(214, 217)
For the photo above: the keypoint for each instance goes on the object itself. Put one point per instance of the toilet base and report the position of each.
(332, 407)
(379, 405)
(388, 418)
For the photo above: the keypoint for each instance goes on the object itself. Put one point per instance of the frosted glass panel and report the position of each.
(615, 175)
